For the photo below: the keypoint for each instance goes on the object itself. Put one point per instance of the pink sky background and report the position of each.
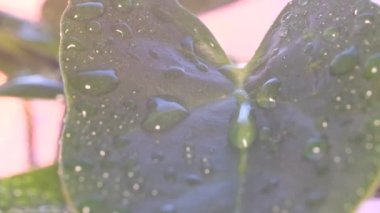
(227, 24)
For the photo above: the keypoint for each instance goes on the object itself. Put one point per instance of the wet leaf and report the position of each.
(159, 120)
(36, 191)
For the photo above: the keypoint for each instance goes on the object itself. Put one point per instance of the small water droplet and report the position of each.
(94, 27)
(95, 82)
(345, 62)
(242, 131)
(86, 11)
(173, 72)
(316, 149)
(267, 95)
(372, 66)
(123, 5)
(163, 114)
(331, 34)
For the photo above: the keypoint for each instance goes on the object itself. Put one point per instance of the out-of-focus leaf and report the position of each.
(51, 15)
(160, 121)
(32, 86)
(36, 191)
(26, 47)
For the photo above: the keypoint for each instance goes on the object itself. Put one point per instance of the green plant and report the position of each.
(160, 120)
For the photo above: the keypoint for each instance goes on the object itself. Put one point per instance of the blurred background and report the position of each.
(30, 127)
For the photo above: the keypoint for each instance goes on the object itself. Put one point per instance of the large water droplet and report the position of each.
(174, 72)
(316, 149)
(372, 66)
(242, 130)
(86, 11)
(95, 82)
(345, 62)
(163, 114)
(268, 93)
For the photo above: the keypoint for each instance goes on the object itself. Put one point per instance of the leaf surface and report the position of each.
(160, 120)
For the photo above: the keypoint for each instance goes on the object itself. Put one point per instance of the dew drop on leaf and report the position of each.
(94, 27)
(268, 93)
(345, 62)
(173, 72)
(95, 82)
(316, 149)
(163, 114)
(372, 66)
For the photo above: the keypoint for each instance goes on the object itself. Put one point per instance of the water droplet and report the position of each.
(345, 62)
(163, 114)
(193, 179)
(268, 93)
(174, 72)
(94, 27)
(372, 66)
(316, 149)
(86, 11)
(95, 82)
(123, 5)
(331, 34)
(242, 130)
(123, 30)
(168, 208)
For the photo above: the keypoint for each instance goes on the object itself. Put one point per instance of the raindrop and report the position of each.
(372, 66)
(268, 93)
(86, 11)
(345, 62)
(173, 72)
(163, 115)
(95, 82)
(242, 131)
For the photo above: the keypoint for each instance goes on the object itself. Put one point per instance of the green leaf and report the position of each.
(36, 191)
(26, 47)
(159, 120)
